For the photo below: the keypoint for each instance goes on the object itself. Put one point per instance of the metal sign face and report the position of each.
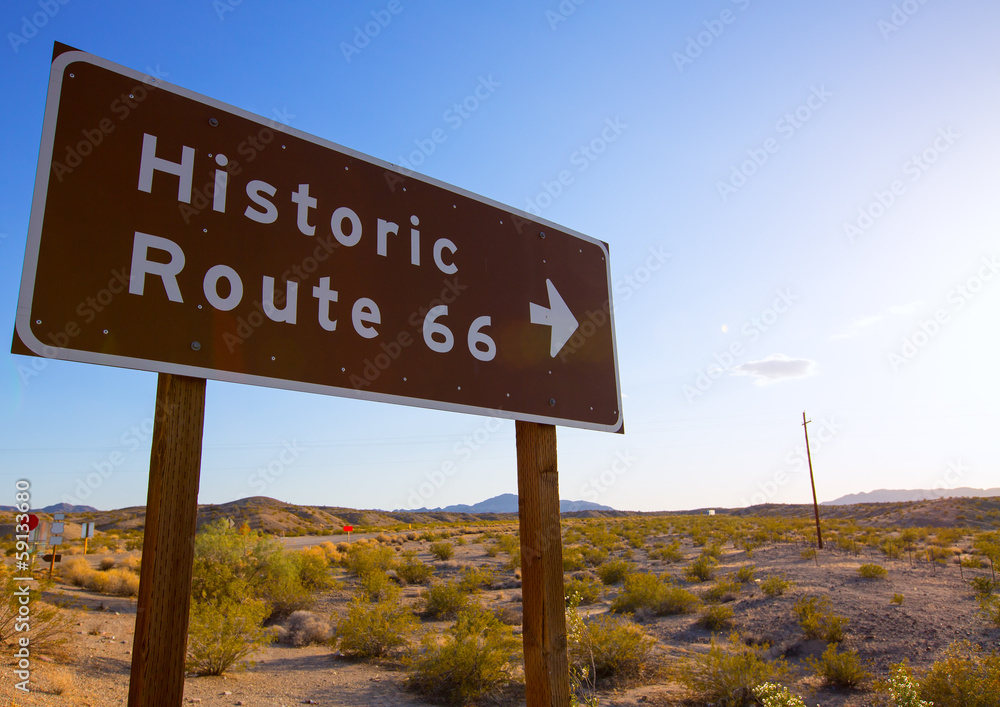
(172, 233)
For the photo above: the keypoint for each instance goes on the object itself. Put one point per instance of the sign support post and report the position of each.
(546, 664)
(161, 621)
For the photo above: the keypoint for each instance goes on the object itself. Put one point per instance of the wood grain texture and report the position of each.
(161, 622)
(546, 666)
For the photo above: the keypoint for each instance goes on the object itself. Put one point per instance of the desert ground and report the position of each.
(922, 605)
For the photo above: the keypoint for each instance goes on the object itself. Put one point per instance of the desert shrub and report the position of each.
(745, 574)
(587, 589)
(990, 606)
(716, 618)
(971, 562)
(670, 553)
(118, 581)
(460, 541)
(609, 649)
(76, 570)
(105, 563)
(573, 559)
(49, 625)
(443, 600)
(808, 554)
(773, 695)
(414, 571)
(378, 586)
(967, 676)
(891, 549)
(983, 586)
(472, 579)
(701, 570)
(870, 570)
(362, 558)
(614, 571)
(442, 550)
(775, 585)
(897, 599)
(640, 591)
(818, 621)
(371, 629)
(903, 689)
(839, 669)
(727, 676)
(722, 591)
(676, 600)
(492, 550)
(594, 556)
(304, 627)
(222, 633)
(133, 563)
(230, 565)
(314, 569)
(475, 661)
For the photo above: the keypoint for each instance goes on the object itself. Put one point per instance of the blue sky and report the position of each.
(822, 175)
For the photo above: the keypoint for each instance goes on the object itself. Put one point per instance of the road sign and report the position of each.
(51, 558)
(173, 233)
(87, 530)
(32, 521)
(348, 528)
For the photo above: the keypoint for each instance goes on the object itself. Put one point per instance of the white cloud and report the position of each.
(776, 367)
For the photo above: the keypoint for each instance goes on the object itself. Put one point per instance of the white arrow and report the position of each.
(557, 316)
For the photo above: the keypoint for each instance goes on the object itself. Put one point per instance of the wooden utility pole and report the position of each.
(161, 621)
(546, 664)
(812, 482)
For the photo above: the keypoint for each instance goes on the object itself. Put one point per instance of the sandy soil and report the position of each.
(938, 609)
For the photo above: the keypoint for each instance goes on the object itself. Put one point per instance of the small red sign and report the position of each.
(348, 528)
(32, 521)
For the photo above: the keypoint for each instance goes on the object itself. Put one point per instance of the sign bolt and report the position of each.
(196, 346)
(213, 122)
(541, 234)
(552, 401)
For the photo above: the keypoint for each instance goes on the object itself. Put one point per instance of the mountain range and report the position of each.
(897, 495)
(54, 508)
(507, 503)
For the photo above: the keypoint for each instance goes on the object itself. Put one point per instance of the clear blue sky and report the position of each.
(824, 177)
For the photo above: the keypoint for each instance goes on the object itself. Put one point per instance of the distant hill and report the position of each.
(899, 495)
(55, 508)
(507, 503)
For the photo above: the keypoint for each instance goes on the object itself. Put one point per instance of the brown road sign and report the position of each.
(172, 233)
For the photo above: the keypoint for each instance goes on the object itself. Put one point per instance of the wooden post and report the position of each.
(546, 665)
(812, 482)
(161, 622)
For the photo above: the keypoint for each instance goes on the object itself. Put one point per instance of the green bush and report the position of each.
(727, 676)
(443, 600)
(231, 565)
(443, 550)
(991, 608)
(640, 591)
(716, 617)
(701, 570)
(362, 558)
(572, 559)
(818, 621)
(967, 676)
(476, 660)
(903, 689)
(223, 632)
(775, 585)
(371, 629)
(870, 570)
(897, 599)
(983, 586)
(676, 600)
(842, 670)
(670, 553)
(773, 695)
(614, 571)
(588, 590)
(608, 650)
(722, 591)
(472, 579)
(413, 570)
(378, 586)
(745, 574)
(594, 556)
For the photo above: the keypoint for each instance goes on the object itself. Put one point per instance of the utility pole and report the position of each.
(812, 482)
